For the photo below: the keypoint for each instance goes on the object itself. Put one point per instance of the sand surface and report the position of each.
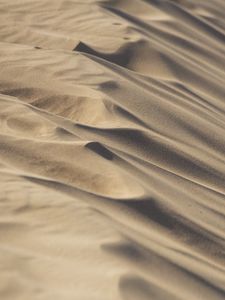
(112, 142)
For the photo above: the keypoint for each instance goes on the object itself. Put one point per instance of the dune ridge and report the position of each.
(112, 147)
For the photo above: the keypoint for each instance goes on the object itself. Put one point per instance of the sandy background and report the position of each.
(112, 139)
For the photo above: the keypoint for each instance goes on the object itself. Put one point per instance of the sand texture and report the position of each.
(112, 150)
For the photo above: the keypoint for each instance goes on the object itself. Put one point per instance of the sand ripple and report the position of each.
(112, 147)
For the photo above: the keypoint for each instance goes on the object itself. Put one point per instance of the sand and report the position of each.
(112, 143)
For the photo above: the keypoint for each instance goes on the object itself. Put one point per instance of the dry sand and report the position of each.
(112, 144)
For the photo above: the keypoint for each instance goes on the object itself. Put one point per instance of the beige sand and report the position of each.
(112, 145)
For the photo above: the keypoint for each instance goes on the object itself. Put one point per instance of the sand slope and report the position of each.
(112, 144)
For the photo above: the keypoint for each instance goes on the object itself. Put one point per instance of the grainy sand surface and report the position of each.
(112, 150)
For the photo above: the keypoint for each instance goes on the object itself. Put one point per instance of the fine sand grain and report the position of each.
(112, 150)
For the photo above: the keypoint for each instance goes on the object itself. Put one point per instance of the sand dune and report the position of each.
(112, 147)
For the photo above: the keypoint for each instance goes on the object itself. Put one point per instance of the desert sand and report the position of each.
(112, 144)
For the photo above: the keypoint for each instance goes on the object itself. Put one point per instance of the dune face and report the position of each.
(112, 145)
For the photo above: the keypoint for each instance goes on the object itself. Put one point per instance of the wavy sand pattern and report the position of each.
(112, 144)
